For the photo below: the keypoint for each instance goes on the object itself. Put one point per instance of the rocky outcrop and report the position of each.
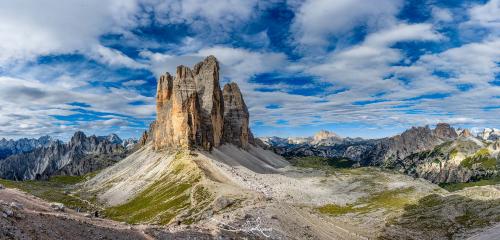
(210, 101)
(191, 110)
(444, 131)
(236, 117)
(80, 155)
(177, 120)
(465, 133)
(390, 150)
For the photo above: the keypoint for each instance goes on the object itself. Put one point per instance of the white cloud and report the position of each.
(134, 83)
(31, 104)
(221, 13)
(401, 33)
(316, 20)
(29, 29)
(113, 57)
(441, 14)
(364, 67)
(487, 15)
(236, 64)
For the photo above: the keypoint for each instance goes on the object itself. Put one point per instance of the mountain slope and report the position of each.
(161, 187)
(79, 156)
(461, 160)
(23, 145)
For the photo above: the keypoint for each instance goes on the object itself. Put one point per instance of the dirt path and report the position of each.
(33, 207)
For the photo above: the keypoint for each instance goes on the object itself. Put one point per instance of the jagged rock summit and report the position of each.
(192, 110)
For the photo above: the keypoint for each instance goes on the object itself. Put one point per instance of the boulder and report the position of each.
(57, 206)
(222, 202)
(7, 212)
(16, 205)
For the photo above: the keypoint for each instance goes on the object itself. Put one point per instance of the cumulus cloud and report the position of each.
(486, 15)
(365, 67)
(30, 106)
(29, 29)
(316, 21)
(114, 57)
(236, 64)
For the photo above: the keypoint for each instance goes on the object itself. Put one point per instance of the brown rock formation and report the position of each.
(236, 117)
(190, 110)
(177, 119)
(465, 133)
(444, 130)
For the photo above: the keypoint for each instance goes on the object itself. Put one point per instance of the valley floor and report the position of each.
(228, 194)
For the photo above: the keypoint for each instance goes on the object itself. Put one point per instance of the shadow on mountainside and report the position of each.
(443, 217)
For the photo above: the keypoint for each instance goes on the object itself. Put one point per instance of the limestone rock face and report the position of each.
(210, 101)
(190, 110)
(236, 117)
(177, 110)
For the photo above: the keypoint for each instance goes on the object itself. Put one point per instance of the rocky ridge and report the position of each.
(491, 134)
(23, 145)
(80, 155)
(193, 111)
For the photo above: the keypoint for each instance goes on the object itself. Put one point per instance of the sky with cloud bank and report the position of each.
(349, 66)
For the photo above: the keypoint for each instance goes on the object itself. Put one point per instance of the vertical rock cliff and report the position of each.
(236, 116)
(210, 101)
(191, 110)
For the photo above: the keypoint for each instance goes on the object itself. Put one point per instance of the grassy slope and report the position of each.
(452, 187)
(443, 217)
(161, 202)
(480, 159)
(321, 162)
(388, 199)
(56, 189)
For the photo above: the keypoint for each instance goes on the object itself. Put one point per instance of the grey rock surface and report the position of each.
(80, 155)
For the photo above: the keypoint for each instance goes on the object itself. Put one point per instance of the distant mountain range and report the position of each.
(440, 155)
(23, 145)
(41, 158)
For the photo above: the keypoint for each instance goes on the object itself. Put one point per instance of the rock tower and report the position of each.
(193, 112)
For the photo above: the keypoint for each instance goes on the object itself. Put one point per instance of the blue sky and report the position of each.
(356, 68)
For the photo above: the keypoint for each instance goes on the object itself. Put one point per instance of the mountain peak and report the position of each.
(113, 138)
(444, 130)
(191, 112)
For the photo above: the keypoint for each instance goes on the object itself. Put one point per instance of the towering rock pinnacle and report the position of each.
(190, 110)
(210, 101)
(236, 117)
(177, 119)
